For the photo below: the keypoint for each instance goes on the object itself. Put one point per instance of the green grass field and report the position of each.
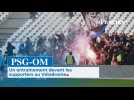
(108, 83)
(99, 83)
(66, 83)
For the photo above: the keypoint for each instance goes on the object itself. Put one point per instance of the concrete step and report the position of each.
(13, 23)
(2, 42)
(7, 30)
(4, 36)
(19, 15)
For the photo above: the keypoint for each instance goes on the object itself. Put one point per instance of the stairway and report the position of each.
(14, 21)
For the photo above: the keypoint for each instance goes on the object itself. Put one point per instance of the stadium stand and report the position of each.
(3, 16)
(14, 21)
(47, 23)
(125, 24)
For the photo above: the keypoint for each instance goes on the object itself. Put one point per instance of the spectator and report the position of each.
(40, 44)
(1, 60)
(33, 15)
(71, 14)
(130, 58)
(114, 60)
(10, 49)
(22, 48)
(28, 46)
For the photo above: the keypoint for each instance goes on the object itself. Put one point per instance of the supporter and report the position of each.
(40, 44)
(71, 14)
(114, 60)
(22, 49)
(10, 49)
(108, 59)
(111, 49)
(28, 46)
(33, 15)
(130, 58)
(1, 60)
(60, 40)
(102, 56)
(53, 43)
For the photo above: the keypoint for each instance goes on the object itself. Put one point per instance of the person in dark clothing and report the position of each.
(40, 41)
(1, 60)
(28, 46)
(130, 58)
(10, 49)
(108, 60)
(61, 40)
(71, 14)
(33, 15)
(22, 48)
(40, 45)
(124, 40)
(116, 37)
(125, 57)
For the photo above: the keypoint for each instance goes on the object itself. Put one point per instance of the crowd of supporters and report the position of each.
(115, 49)
(110, 49)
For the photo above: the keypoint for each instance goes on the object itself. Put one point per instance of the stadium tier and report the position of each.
(46, 23)
(13, 22)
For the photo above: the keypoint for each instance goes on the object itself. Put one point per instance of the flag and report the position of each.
(101, 30)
